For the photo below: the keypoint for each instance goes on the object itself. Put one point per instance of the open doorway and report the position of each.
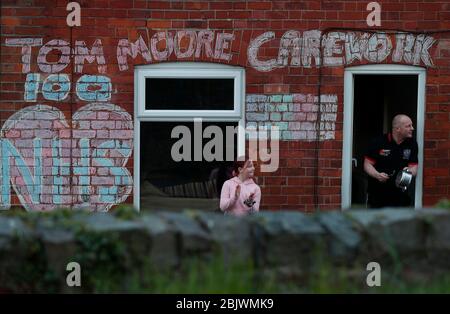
(176, 185)
(171, 170)
(373, 95)
(373, 114)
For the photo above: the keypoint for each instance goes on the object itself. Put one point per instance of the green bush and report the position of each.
(444, 203)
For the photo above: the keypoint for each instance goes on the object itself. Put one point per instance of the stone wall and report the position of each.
(37, 247)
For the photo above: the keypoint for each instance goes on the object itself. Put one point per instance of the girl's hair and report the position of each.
(240, 163)
(223, 175)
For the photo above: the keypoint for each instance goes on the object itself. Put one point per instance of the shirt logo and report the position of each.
(406, 153)
(384, 152)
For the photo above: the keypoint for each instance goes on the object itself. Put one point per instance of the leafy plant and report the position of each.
(444, 203)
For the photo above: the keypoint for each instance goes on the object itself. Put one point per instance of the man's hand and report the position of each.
(371, 171)
(381, 176)
(412, 169)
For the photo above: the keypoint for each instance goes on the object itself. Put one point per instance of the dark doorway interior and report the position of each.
(377, 99)
(172, 185)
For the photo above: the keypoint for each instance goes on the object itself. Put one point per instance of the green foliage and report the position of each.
(33, 274)
(58, 215)
(205, 277)
(201, 276)
(102, 256)
(444, 203)
(125, 212)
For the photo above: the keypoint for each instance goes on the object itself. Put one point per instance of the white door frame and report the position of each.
(185, 70)
(347, 149)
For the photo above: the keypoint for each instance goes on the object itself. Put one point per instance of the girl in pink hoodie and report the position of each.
(241, 195)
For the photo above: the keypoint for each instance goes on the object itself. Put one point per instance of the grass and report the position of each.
(215, 277)
(196, 277)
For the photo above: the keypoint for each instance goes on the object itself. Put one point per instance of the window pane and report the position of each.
(189, 94)
(169, 185)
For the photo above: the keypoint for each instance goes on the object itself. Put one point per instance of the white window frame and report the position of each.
(191, 70)
(347, 149)
(185, 70)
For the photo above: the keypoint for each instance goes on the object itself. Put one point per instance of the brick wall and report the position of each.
(85, 101)
(296, 115)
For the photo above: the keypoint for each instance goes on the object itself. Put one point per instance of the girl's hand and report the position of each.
(250, 201)
(238, 191)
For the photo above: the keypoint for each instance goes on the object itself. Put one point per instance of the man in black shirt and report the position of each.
(385, 157)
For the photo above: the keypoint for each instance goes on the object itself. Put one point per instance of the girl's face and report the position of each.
(248, 170)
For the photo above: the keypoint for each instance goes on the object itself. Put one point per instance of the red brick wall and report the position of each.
(294, 185)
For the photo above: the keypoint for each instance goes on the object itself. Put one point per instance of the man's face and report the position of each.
(406, 128)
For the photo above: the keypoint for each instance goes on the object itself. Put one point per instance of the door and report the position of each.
(186, 128)
(373, 96)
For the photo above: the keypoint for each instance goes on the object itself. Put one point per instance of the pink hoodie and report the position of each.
(230, 204)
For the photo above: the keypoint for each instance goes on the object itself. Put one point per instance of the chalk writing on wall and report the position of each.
(50, 164)
(295, 49)
(209, 43)
(56, 87)
(298, 116)
(339, 48)
(81, 51)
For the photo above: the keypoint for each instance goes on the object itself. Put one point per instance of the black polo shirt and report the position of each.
(389, 157)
